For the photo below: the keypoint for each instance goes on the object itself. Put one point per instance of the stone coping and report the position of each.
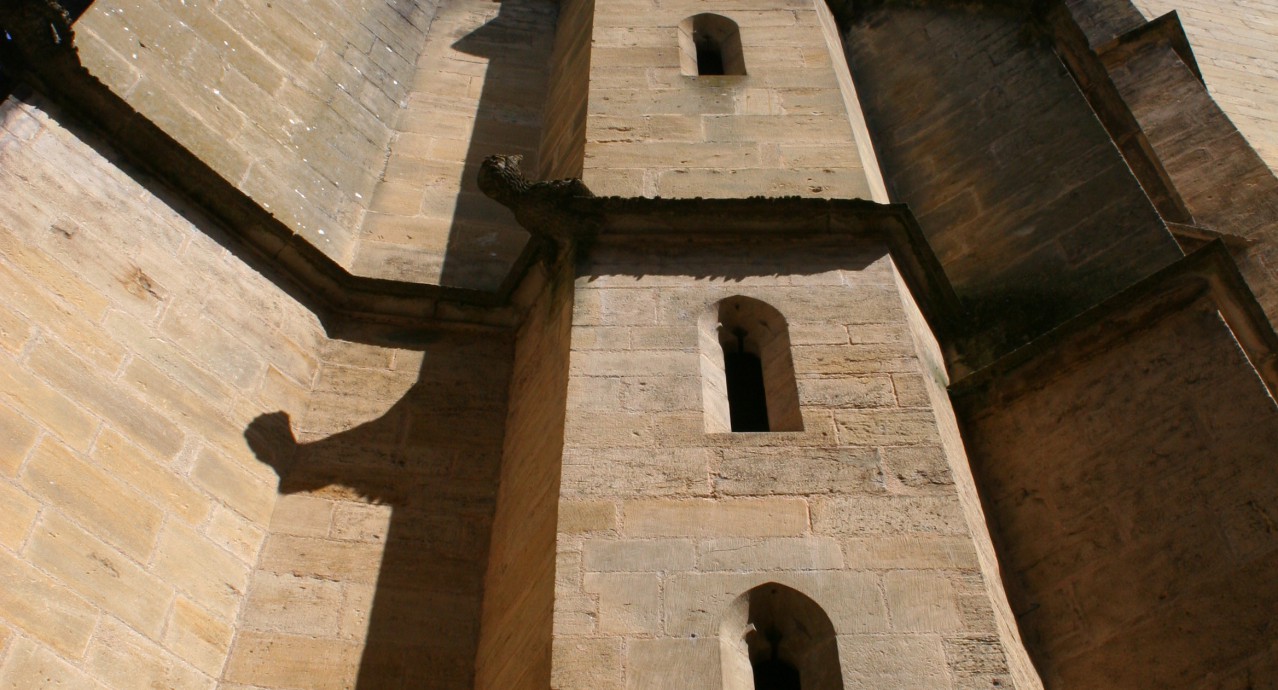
(1206, 279)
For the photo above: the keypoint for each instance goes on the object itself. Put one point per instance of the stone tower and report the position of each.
(642, 344)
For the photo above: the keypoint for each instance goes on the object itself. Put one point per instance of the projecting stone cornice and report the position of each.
(1206, 279)
(566, 215)
(851, 11)
(1166, 29)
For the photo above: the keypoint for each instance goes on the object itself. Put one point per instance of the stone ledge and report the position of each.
(1205, 279)
(1166, 29)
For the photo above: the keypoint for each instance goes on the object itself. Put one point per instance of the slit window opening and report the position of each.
(747, 399)
(710, 45)
(747, 374)
(709, 57)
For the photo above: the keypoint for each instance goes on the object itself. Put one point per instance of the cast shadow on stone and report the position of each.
(483, 242)
(739, 261)
(439, 480)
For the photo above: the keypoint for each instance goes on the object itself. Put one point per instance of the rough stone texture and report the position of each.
(514, 645)
(139, 354)
(1014, 182)
(1126, 512)
(1224, 183)
(375, 556)
(1233, 42)
(663, 525)
(477, 89)
(782, 129)
(414, 520)
(136, 349)
(294, 102)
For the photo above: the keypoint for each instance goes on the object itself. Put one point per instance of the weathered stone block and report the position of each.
(629, 603)
(894, 427)
(797, 553)
(921, 601)
(912, 551)
(19, 512)
(638, 471)
(45, 608)
(291, 661)
(769, 471)
(722, 518)
(671, 663)
(198, 636)
(587, 662)
(205, 572)
(119, 657)
(860, 515)
(875, 661)
(291, 604)
(99, 573)
(117, 513)
(587, 516)
(638, 555)
(30, 665)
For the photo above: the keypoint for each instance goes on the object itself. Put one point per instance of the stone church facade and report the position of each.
(638, 344)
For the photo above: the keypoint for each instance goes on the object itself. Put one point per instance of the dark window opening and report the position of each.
(710, 45)
(747, 399)
(775, 674)
(776, 638)
(709, 57)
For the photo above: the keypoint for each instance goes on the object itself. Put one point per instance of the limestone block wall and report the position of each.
(372, 570)
(663, 525)
(1146, 453)
(134, 351)
(1234, 44)
(515, 631)
(781, 129)
(478, 88)
(1027, 203)
(936, 379)
(1223, 182)
(293, 102)
(563, 140)
(1225, 185)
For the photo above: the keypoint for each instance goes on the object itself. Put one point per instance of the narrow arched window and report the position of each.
(710, 44)
(774, 637)
(747, 371)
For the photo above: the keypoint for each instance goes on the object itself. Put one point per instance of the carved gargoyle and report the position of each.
(542, 208)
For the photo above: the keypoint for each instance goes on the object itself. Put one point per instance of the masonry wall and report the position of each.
(135, 350)
(1224, 186)
(1224, 183)
(372, 570)
(1233, 42)
(519, 588)
(781, 129)
(563, 138)
(293, 102)
(478, 88)
(1030, 208)
(936, 381)
(662, 525)
(1147, 453)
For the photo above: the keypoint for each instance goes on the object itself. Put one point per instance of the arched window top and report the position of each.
(747, 371)
(774, 637)
(710, 44)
